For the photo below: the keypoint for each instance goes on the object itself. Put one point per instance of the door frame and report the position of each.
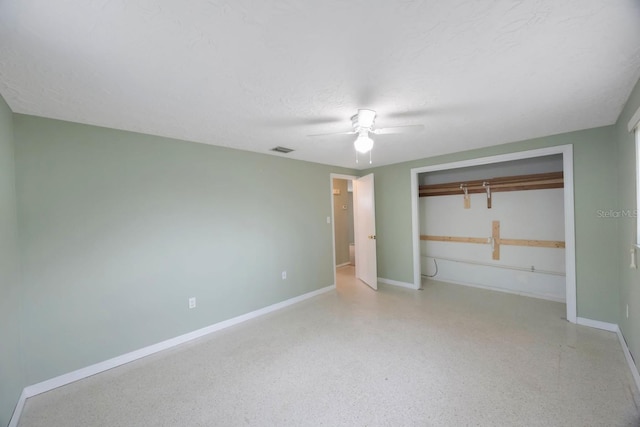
(333, 176)
(569, 214)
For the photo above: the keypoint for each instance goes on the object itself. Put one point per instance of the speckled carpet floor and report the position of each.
(445, 356)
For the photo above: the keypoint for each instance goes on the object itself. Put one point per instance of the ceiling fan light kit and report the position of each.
(363, 143)
(363, 125)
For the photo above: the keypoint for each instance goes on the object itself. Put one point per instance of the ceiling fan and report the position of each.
(363, 123)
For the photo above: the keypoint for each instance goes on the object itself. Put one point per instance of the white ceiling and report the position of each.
(253, 74)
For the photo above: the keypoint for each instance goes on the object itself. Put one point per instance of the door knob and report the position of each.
(372, 236)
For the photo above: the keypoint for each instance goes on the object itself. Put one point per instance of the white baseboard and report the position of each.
(396, 283)
(18, 410)
(611, 327)
(344, 264)
(88, 371)
(627, 355)
(506, 291)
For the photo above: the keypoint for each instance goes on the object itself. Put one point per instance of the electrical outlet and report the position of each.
(192, 302)
(284, 275)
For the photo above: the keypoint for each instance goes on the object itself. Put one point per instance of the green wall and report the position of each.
(595, 179)
(119, 229)
(629, 279)
(12, 380)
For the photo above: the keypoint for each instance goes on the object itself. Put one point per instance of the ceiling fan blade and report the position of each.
(318, 135)
(399, 129)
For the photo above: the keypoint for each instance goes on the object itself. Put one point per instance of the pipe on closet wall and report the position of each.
(531, 269)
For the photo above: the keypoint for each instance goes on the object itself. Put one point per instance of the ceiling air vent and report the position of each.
(283, 150)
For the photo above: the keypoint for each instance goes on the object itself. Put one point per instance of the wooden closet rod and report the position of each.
(540, 181)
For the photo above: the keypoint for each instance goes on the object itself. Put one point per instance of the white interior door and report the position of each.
(365, 231)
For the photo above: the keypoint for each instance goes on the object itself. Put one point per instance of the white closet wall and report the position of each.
(532, 214)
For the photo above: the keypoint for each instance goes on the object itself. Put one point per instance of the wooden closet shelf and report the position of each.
(541, 181)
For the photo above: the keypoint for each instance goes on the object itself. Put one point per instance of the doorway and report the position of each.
(364, 227)
(343, 220)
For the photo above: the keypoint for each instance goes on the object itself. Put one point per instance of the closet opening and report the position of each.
(503, 223)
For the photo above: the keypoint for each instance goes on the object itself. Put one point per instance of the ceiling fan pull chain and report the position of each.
(370, 156)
